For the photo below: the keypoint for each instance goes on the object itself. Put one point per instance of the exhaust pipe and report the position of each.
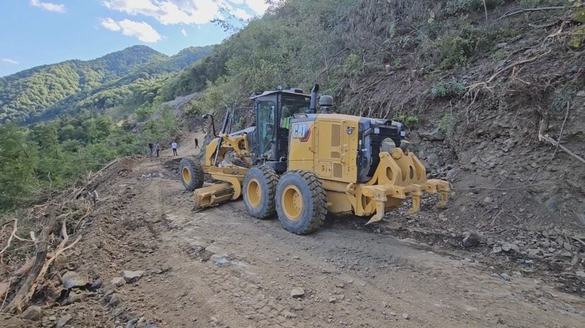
(314, 96)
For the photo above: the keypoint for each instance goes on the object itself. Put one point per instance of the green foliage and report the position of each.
(577, 39)
(124, 79)
(447, 124)
(455, 51)
(18, 160)
(539, 3)
(50, 156)
(278, 50)
(449, 89)
(579, 15)
(411, 121)
(456, 6)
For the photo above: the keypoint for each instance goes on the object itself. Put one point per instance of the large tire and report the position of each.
(301, 202)
(259, 188)
(191, 174)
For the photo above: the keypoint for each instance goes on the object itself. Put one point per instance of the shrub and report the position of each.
(455, 51)
(450, 89)
(447, 124)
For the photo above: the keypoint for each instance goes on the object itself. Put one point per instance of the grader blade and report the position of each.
(213, 195)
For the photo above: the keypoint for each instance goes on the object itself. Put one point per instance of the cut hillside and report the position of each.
(476, 85)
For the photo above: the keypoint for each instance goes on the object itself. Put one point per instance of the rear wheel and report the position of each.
(301, 202)
(259, 188)
(191, 174)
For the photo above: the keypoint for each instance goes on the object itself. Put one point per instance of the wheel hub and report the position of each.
(186, 175)
(254, 193)
(292, 203)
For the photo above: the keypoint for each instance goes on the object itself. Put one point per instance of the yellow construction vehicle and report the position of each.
(301, 164)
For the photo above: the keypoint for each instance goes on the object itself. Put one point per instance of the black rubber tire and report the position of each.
(195, 172)
(267, 180)
(314, 201)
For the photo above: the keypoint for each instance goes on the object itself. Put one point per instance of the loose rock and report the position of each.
(33, 313)
(63, 321)
(297, 292)
(72, 279)
(132, 276)
(118, 281)
(471, 239)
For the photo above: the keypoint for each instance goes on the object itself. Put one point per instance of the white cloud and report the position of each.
(170, 12)
(259, 6)
(48, 6)
(184, 32)
(241, 14)
(140, 30)
(111, 24)
(9, 61)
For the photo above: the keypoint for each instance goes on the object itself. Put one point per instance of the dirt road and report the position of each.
(222, 268)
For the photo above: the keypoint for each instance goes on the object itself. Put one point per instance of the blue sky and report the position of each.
(37, 32)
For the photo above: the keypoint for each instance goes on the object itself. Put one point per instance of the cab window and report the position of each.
(292, 105)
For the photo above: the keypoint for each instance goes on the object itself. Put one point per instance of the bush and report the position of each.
(455, 51)
(450, 89)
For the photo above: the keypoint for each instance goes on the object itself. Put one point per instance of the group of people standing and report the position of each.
(155, 148)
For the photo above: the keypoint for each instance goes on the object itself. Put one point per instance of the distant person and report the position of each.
(196, 143)
(174, 146)
(151, 147)
(157, 149)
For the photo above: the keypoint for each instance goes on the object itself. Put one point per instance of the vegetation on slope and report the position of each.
(42, 92)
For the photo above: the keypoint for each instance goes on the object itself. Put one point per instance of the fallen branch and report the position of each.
(60, 250)
(20, 298)
(563, 148)
(12, 234)
(525, 61)
(41, 264)
(76, 194)
(525, 10)
(562, 129)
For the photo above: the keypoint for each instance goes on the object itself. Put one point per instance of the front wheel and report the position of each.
(301, 202)
(191, 174)
(259, 188)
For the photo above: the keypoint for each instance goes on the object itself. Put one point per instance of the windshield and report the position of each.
(292, 105)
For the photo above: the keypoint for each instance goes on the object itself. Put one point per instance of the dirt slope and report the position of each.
(221, 268)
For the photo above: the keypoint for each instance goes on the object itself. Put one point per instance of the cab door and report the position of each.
(266, 110)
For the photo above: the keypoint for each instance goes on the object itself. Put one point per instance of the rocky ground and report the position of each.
(146, 259)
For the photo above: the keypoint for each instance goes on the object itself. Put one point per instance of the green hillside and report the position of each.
(42, 92)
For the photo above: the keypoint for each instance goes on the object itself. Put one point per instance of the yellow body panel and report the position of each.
(328, 148)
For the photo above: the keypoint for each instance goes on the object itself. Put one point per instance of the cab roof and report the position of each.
(295, 92)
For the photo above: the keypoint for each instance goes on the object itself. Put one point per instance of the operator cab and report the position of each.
(274, 111)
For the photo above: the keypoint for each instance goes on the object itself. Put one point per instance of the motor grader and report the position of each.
(301, 163)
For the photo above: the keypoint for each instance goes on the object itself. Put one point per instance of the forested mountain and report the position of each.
(116, 78)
